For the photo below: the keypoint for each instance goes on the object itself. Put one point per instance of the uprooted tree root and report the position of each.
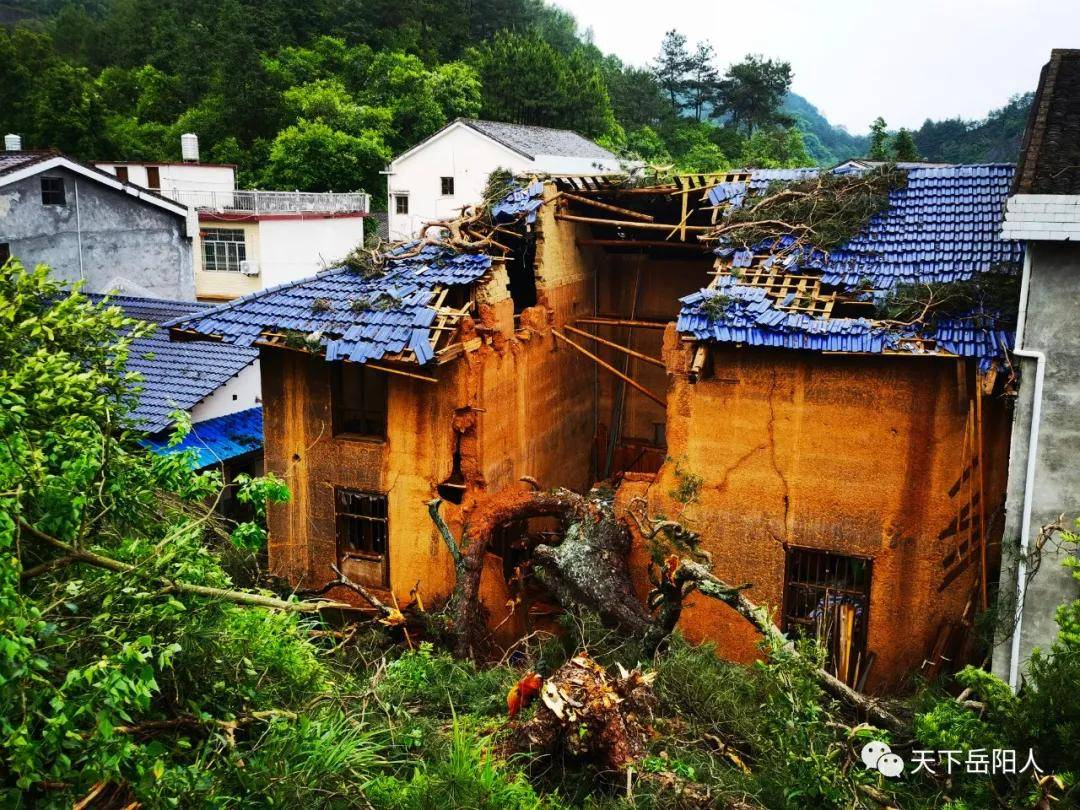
(589, 570)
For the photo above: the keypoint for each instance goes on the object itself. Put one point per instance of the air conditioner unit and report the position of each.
(249, 268)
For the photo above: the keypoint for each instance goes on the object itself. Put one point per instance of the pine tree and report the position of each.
(671, 67)
(703, 79)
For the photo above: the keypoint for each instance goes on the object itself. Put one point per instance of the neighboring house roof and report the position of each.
(177, 375)
(1050, 157)
(527, 141)
(532, 141)
(218, 439)
(15, 166)
(941, 227)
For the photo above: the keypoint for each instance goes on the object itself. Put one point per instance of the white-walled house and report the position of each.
(447, 171)
(250, 239)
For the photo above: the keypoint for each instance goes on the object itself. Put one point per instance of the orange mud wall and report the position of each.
(851, 454)
(660, 283)
(514, 403)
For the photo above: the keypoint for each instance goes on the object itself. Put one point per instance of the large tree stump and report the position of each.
(589, 715)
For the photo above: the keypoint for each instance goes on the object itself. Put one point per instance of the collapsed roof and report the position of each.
(940, 225)
(392, 312)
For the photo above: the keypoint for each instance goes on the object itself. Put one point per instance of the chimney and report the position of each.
(189, 147)
(12, 142)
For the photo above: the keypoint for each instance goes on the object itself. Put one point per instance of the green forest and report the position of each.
(319, 96)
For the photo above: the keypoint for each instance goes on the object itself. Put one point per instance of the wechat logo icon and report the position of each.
(879, 756)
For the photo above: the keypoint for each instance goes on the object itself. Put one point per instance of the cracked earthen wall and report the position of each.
(851, 454)
(515, 403)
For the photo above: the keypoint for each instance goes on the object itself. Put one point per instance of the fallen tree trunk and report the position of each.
(172, 586)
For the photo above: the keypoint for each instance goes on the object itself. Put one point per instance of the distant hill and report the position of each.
(827, 143)
(994, 139)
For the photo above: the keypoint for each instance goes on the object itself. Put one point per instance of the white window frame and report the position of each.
(223, 255)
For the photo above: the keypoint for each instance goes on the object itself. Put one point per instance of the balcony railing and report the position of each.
(272, 202)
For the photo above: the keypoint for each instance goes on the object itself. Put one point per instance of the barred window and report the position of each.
(362, 524)
(827, 596)
(223, 249)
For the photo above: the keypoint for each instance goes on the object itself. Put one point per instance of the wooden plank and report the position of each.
(629, 212)
(601, 321)
(401, 373)
(983, 538)
(612, 345)
(644, 243)
(610, 368)
(622, 223)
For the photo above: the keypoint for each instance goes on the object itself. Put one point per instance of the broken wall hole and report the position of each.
(521, 271)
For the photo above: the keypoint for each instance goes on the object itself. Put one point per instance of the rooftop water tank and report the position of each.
(189, 147)
(12, 142)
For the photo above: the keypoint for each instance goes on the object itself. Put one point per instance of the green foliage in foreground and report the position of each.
(177, 700)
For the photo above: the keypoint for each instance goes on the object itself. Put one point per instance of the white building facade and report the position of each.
(248, 240)
(439, 176)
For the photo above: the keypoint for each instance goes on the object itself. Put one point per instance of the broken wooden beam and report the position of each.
(608, 367)
(602, 321)
(623, 223)
(610, 344)
(400, 372)
(629, 212)
(644, 243)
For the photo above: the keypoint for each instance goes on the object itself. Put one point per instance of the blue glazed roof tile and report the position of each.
(357, 317)
(941, 227)
(176, 375)
(218, 439)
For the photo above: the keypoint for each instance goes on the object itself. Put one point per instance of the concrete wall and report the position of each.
(186, 177)
(113, 241)
(284, 247)
(1051, 329)
(855, 455)
(238, 394)
(459, 152)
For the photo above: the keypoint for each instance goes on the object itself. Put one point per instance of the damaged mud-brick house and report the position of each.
(804, 367)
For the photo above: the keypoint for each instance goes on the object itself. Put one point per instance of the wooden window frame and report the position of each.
(343, 418)
(53, 190)
(399, 200)
(122, 174)
(153, 178)
(446, 186)
(367, 526)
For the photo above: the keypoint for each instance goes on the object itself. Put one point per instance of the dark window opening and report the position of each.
(358, 397)
(446, 185)
(522, 275)
(153, 177)
(5, 252)
(52, 191)
(363, 534)
(827, 596)
(122, 173)
(401, 204)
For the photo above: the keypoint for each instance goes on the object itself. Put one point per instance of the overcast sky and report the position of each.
(906, 60)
